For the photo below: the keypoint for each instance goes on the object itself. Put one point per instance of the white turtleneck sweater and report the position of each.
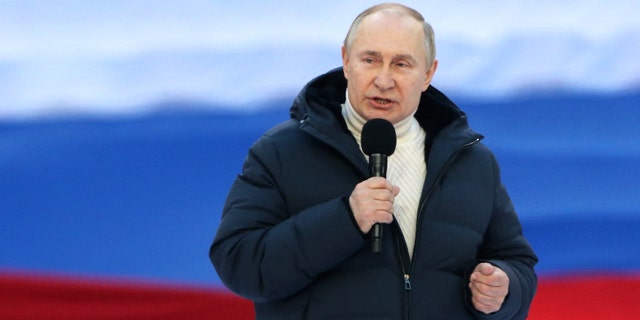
(406, 168)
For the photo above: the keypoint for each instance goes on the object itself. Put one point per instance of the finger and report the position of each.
(378, 183)
(383, 195)
(497, 279)
(489, 281)
(488, 290)
(486, 268)
(382, 183)
(489, 305)
(484, 307)
(384, 217)
(487, 299)
(396, 191)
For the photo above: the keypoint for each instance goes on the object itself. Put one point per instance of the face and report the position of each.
(386, 67)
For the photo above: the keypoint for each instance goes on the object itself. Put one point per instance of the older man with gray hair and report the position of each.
(296, 224)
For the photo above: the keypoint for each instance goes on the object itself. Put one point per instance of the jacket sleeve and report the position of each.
(262, 251)
(505, 247)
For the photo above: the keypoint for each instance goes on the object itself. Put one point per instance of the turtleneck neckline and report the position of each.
(407, 129)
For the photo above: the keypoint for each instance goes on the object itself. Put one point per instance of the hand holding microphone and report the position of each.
(372, 202)
(372, 199)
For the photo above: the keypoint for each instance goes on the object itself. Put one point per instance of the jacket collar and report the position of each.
(318, 109)
(319, 102)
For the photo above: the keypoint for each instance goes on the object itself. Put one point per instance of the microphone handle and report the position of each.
(377, 168)
(376, 238)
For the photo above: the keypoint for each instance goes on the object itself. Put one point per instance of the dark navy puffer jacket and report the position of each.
(288, 241)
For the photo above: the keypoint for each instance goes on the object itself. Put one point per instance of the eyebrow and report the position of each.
(396, 57)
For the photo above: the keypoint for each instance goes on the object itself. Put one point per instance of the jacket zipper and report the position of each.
(407, 273)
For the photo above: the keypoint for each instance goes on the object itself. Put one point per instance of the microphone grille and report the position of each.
(378, 136)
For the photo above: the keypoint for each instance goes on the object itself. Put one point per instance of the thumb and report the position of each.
(396, 190)
(486, 268)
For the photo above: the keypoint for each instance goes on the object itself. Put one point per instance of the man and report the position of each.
(294, 232)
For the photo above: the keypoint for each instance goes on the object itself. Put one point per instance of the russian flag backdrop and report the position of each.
(123, 125)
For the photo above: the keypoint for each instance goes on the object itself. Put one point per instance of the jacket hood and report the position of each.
(321, 99)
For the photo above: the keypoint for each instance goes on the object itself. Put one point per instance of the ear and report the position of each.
(345, 63)
(429, 75)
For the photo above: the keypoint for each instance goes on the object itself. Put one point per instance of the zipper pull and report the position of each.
(407, 282)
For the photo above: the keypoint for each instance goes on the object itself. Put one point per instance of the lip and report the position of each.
(373, 101)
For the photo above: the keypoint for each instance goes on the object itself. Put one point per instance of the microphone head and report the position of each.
(378, 136)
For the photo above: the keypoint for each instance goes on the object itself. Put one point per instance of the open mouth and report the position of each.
(382, 101)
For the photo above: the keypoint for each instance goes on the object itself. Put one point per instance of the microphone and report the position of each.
(378, 142)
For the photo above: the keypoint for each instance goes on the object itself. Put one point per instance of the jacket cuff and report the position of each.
(345, 200)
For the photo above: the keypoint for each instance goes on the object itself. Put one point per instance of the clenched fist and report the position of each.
(489, 287)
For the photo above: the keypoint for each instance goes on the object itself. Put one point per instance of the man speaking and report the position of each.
(295, 235)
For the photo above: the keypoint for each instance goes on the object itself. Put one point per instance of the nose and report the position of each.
(384, 80)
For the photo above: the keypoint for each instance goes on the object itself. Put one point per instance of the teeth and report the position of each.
(383, 101)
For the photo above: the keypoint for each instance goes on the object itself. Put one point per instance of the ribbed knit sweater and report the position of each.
(406, 168)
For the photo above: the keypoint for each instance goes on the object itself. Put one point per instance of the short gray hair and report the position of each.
(429, 36)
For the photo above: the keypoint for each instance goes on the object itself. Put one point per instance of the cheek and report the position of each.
(358, 80)
(419, 87)
(413, 94)
(414, 89)
(352, 85)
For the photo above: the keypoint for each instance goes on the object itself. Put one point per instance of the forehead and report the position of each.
(390, 31)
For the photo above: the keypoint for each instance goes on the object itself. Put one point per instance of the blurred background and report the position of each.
(124, 123)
